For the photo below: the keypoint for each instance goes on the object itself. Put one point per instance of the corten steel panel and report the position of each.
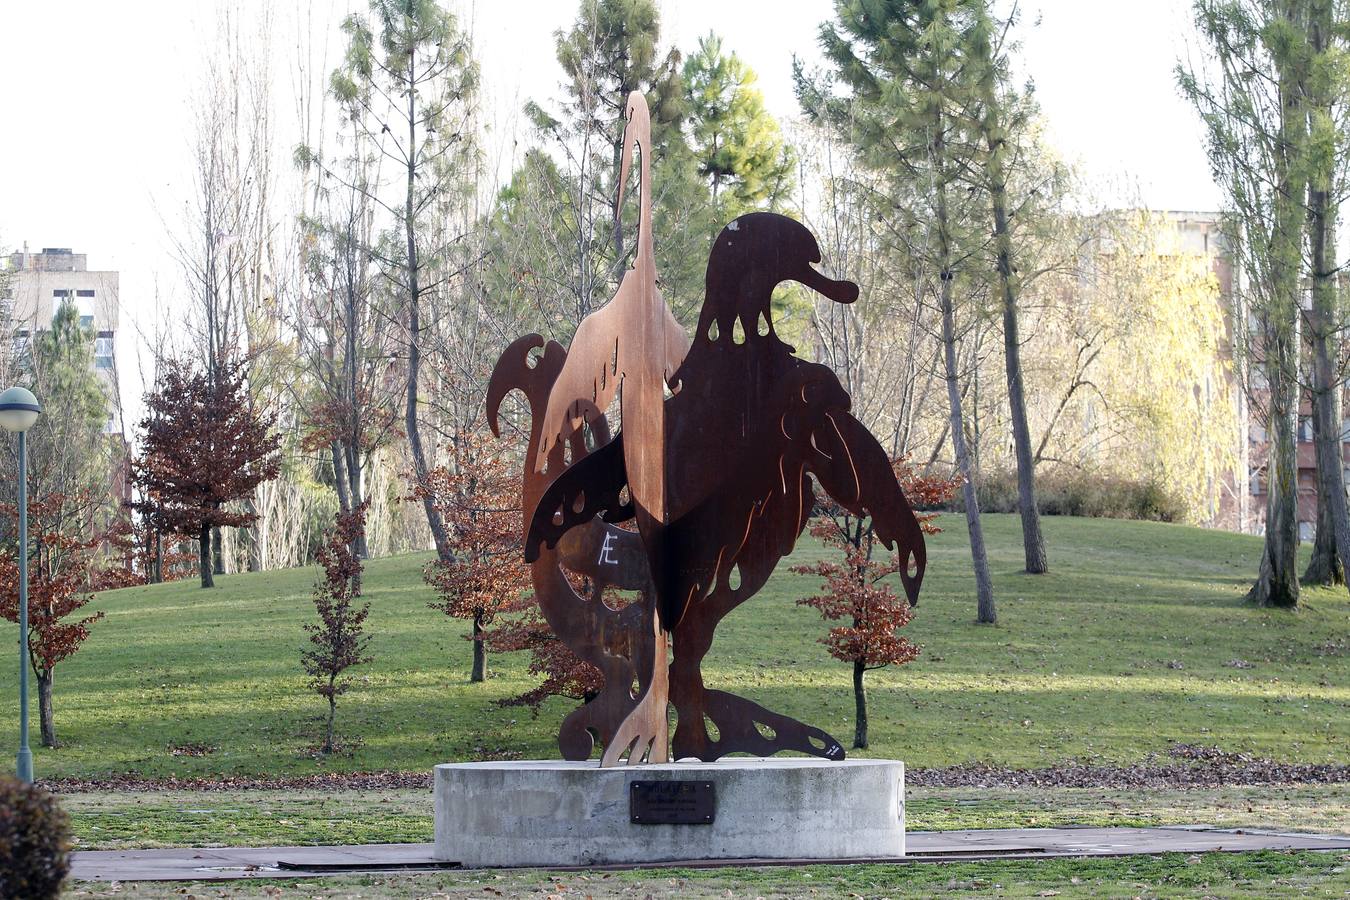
(717, 477)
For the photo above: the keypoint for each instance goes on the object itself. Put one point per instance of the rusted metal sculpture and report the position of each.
(717, 478)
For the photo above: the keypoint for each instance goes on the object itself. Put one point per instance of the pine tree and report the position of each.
(68, 450)
(408, 85)
(909, 80)
(737, 144)
(70, 461)
(575, 252)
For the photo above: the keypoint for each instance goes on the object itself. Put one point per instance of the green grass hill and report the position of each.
(1138, 637)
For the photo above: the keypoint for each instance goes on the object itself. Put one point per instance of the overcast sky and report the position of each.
(95, 142)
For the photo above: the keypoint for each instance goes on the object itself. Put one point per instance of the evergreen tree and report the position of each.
(576, 252)
(909, 81)
(70, 465)
(407, 85)
(69, 450)
(737, 144)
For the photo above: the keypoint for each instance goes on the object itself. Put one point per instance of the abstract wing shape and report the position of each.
(855, 470)
(589, 487)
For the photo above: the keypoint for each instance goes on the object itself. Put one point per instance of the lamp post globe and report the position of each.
(19, 409)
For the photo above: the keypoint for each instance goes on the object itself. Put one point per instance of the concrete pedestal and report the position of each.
(541, 813)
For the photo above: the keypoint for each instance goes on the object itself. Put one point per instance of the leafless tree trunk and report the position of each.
(413, 273)
(1325, 566)
(984, 586)
(1033, 542)
(217, 556)
(983, 583)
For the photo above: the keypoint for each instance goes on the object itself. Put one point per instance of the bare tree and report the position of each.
(225, 240)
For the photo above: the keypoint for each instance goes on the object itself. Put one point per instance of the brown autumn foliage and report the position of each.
(64, 572)
(855, 591)
(338, 639)
(369, 416)
(478, 495)
(203, 447)
(564, 673)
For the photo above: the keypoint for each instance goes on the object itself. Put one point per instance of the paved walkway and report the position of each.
(200, 864)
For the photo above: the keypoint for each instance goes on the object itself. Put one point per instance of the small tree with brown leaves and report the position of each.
(478, 495)
(203, 447)
(338, 639)
(63, 575)
(564, 673)
(856, 590)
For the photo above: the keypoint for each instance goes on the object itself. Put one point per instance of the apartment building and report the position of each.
(1244, 508)
(35, 288)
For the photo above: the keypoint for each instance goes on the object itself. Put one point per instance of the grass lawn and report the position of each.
(1138, 637)
(1217, 875)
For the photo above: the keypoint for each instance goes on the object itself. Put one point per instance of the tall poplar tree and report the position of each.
(1326, 89)
(1249, 94)
(997, 113)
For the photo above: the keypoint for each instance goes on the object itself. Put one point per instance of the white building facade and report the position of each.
(36, 285)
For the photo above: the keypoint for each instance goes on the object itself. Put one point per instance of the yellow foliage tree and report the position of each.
(1138, 379)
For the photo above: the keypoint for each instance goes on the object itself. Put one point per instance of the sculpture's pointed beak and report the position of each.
(838, 291)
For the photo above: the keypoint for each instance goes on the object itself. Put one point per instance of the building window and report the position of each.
(103, 353)
(1255, 481)
(61, 294)
(1305, 432)
(85, 293)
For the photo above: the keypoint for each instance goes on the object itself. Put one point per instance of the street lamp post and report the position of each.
(19, 409)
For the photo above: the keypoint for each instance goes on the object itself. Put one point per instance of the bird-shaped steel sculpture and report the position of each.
(748, 427)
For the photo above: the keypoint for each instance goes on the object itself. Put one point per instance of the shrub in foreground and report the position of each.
(34, 842)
